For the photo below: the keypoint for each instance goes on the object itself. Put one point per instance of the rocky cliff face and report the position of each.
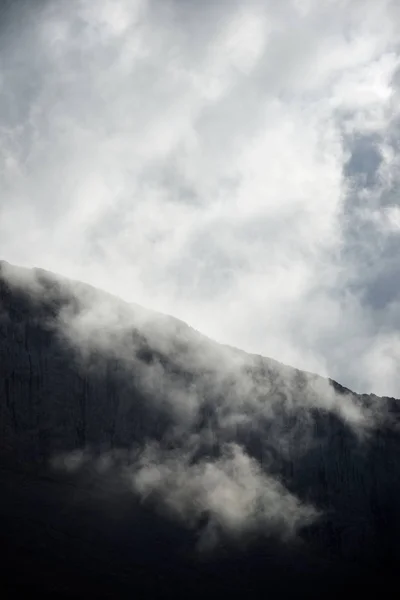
(196, 444)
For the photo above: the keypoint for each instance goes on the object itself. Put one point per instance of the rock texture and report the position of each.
(83, 371)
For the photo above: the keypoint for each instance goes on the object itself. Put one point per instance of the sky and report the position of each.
(234, 164)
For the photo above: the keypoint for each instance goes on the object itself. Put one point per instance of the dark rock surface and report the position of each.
(81, 370)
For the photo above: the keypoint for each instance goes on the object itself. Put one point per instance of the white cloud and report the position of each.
(192, 158)
(234, 492)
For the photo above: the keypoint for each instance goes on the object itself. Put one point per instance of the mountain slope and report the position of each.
(137, 454)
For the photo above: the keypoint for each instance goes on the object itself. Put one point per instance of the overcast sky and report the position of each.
(233, 163)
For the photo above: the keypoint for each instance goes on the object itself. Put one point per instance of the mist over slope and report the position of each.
(138, 454)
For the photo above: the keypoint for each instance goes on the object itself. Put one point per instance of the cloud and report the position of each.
(230, 496)
(236, 166)
(232, 491)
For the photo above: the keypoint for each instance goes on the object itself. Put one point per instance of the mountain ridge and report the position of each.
(167, 448)
(157, 315)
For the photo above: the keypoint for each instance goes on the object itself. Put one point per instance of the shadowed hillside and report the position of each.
(138, 456)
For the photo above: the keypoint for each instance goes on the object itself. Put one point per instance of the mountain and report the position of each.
(139, 456)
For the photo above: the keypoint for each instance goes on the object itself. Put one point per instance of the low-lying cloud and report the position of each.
(230, 496)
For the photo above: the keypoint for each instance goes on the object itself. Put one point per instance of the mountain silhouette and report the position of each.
(138, 456)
